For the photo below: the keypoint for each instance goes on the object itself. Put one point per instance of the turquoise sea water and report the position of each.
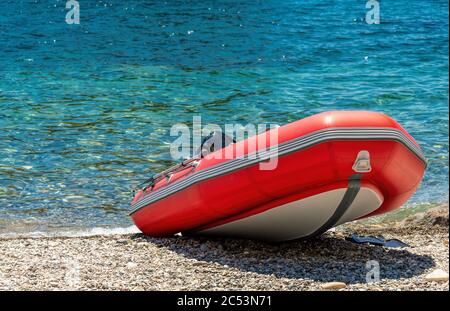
(85, 110)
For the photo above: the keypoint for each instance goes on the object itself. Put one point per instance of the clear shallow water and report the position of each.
(85, 110)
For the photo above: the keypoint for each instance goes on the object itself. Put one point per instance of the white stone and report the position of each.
(131, 265)
(437, 275)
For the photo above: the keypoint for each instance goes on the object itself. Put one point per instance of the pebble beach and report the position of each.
(98, 96)
(330, 262)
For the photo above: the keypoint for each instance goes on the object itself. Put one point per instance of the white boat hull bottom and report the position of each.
(298, 219)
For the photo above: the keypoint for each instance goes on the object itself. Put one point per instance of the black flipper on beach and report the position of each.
(376, 240)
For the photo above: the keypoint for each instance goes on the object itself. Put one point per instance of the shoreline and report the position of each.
(136, 262)
(28, 230)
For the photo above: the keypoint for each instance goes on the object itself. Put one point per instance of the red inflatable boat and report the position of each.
(332, 168)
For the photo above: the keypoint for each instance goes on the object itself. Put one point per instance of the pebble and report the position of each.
(334, 285)
(131, 265)
(437, 275)
(135, 262)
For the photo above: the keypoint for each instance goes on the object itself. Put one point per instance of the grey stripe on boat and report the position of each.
(331, 134)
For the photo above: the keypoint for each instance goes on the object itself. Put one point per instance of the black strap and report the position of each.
(354, 185)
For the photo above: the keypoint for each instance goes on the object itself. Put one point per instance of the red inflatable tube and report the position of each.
(331, 168)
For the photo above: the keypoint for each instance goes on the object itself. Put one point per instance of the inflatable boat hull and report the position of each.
(314, 187)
